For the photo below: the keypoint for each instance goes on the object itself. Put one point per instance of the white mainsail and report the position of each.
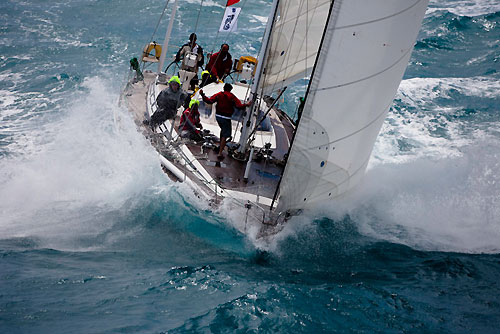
(363, 56)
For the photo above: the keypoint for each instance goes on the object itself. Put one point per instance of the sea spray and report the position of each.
(94, 162)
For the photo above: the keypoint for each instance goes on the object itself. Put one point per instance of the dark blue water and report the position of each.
(95, 239)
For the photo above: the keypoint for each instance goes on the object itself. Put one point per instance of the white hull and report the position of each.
(220, 183)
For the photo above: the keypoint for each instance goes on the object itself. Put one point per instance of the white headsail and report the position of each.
(363, 56)
(295, 41)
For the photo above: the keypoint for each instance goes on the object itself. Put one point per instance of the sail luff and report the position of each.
(306, 99)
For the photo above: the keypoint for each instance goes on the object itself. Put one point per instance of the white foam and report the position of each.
(8, 76)
(427, 89)
(20, 57)
(448, 204)
(465, 7)
(206, 3)
(422, 116)
(444, 193)
(92, 163)
(7, 98)
(257, 18)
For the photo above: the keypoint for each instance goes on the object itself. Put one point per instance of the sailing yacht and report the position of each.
(355, 54)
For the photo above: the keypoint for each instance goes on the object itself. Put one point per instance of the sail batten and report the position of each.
(381, 18)
(354, 132)
(362, 60)
(403, 57)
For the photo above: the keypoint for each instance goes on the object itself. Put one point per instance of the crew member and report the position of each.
(220, 64)
(168, 101)
(190, 124)
(191, 46)
(205, 78)
(226, 101)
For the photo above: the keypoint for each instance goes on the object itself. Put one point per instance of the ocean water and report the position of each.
(95, 239)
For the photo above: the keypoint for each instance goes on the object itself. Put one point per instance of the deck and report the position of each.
(265, 171)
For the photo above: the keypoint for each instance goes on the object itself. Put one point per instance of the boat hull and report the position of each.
(221, 183)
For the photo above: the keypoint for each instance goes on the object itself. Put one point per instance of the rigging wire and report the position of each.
(198, 17)
(286, 61)
(144, 64)
(267, 112)
(276, 85)
(158, 23)
(307, 34)
(194, 31)
(287, 64)
(208, 183)
(224, 41)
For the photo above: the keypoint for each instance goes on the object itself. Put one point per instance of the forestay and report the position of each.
(365, 51)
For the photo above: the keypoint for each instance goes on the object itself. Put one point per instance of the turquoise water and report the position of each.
(95, 239)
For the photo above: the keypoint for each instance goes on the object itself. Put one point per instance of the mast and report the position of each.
(167, 37)
(245, 131)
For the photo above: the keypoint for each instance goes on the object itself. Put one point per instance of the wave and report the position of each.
(73, 162)
(464, 7)
(433, 180)
(462, 45)
(449, 205)
(437, 118)
(87, 162)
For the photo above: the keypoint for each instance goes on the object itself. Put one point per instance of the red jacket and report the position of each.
(226, 101)
(192, 124)
(218, 66)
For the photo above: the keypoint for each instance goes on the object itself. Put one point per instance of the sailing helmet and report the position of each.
(175, 78)
(193, 101)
